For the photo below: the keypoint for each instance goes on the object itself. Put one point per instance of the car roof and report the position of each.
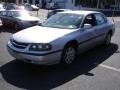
(3, 9)
(13, 10)
(16, 10)
(80, 12)
(62, 9)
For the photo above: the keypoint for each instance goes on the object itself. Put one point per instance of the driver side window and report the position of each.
(90, 19)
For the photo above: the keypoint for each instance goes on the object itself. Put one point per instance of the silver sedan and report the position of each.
(61, 37)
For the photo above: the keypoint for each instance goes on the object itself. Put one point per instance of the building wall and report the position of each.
(101, 4)
(76, 4)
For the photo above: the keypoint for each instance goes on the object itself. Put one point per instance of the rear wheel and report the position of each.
(68, 55)
(108, 39)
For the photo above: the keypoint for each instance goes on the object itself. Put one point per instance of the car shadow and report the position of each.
(34, 77)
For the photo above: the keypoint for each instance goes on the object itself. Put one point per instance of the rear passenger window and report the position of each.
(100, 19)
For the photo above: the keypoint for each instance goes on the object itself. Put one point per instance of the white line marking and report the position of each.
(108, 67)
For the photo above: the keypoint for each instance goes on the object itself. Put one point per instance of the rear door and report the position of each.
(101, 28)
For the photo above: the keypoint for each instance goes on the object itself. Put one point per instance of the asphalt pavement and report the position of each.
(97, 69)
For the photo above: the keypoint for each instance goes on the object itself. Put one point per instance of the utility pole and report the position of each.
(98, 1)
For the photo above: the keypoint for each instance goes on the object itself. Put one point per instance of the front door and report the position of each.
(87, 35)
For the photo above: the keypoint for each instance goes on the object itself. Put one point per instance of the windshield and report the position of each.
(20, 13)
(63, 20)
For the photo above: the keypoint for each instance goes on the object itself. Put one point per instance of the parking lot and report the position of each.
(98, 69)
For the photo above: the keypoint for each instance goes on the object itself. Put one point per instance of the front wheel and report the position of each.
(68, 55)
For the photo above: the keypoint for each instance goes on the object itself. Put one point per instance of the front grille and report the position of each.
(19, 44)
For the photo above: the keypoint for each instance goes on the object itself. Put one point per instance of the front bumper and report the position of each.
(43, 59)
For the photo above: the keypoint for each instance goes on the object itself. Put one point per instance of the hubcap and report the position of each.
(69, 55)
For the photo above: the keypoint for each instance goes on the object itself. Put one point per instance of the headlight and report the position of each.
(40, 47)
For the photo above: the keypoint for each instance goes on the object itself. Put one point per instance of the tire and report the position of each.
(107, 39)
(68, 55)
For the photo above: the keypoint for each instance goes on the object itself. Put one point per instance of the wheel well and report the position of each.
(73, 43)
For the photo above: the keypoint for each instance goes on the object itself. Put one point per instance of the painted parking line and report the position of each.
(107, 67)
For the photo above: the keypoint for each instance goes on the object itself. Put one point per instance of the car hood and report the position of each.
(39, 34)
(28, 18)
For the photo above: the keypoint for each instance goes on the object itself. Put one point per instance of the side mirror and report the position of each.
(40, 24)
(86, 26)
(41, 21)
